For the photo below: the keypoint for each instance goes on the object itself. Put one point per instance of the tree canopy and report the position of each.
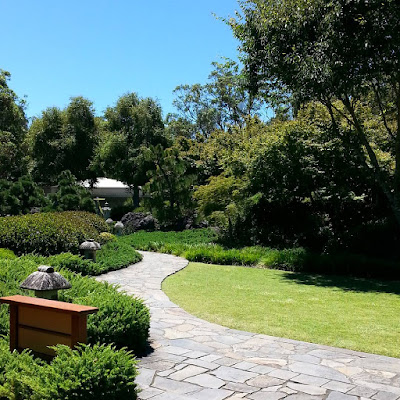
(331, 51)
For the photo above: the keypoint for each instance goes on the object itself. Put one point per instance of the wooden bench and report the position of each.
(38, 323)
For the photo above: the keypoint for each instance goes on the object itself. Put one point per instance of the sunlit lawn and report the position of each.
(337, 311)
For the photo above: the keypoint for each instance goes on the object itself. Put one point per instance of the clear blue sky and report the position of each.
(101, 49)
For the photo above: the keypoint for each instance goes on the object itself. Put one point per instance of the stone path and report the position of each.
(195, 359)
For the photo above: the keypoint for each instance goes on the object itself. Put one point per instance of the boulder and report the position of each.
(136, 221)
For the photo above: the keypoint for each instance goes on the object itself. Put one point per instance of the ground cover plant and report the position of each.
(49, 233)
(89, 372)
(343, 312)
(97, 371)
(200, 245)
(112, 256)
(122, 320)
(6, 253)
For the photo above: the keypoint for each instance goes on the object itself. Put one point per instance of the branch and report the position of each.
(379, 100)
(343, 114)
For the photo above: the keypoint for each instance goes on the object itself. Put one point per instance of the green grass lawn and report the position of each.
(344, 312)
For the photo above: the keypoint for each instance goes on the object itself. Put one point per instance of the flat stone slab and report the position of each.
(196, 359)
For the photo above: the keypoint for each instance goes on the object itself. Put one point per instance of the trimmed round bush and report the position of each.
(49, 233)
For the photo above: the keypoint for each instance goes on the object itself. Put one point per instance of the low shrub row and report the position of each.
(122, 320)
(49, 233)
(198, 246)
(189, 237)
(90, 372)
(112, 256)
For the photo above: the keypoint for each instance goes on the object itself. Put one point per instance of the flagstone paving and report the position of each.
(195, 359)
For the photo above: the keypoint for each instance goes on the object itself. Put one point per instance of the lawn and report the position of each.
(343, 312)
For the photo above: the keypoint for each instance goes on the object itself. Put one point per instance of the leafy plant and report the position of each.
(88, 372)
(49, 233)
(122, 319)
(6, 253)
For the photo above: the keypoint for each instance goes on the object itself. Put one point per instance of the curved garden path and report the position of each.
(195, 359)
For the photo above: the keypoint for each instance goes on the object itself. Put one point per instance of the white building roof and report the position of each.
(106, 183)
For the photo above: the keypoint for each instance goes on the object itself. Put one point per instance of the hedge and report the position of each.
(97, 372)
(49, 233)
(112, 256)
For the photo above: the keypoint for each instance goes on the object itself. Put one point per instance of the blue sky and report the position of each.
(101, 49)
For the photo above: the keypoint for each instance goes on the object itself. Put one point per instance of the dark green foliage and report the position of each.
(170, 185)
(13, 128)
(188, 237)
(49, 233)
(71, 196)
(131, 126)
(343, 55)
(73, 262)
(112, 256)
(116, 255)
(197, 245)
(89, 372)
(122, 319)
(63, 139)
(21, 196)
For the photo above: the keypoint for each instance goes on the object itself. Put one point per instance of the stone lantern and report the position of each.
(45, 282)
(118, 228)
(89, 248)
(110, 223)
(106, 211)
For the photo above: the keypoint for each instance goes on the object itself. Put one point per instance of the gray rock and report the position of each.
(139, 221)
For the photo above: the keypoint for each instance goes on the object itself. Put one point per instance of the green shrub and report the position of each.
(49, 233)
(19, 374)
(197, 245)
(72, 262)
(71, 196)
(92, 373)
(106, 237)
(188, 237)
(89, 372)
(122, 319)
(112, 256)
(21, 196)
(6, 253)
(115, 255)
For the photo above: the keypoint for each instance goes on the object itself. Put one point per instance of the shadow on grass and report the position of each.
(344, 283)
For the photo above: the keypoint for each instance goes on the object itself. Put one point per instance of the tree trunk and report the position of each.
(136, 196)
(393, 196)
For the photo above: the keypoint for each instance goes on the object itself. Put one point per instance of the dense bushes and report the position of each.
(49, 233)
(90, 372)
(122, 319)
(197, 245)
(96, 371)
(112, 256)
(21, 196)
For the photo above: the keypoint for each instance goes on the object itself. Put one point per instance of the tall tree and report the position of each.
(64, 139)
(343, 54)
(13, 128)
(170, 184)
(132, 126)
(220, 103)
